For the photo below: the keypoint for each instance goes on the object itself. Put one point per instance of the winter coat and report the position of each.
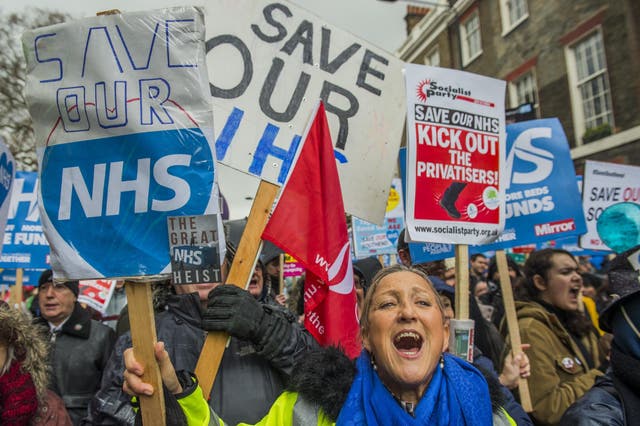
(508, 402)
(80, 353)
(559, 371)
(316, 392)
(598, 407)
(248, 381)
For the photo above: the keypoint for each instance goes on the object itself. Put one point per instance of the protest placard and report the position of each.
(292, 268)
(124, 136)
(96, 293)
(543, 200)
(607, 185)
(269, 63)
(455, 149)
(372, 240)
(7, 177)
(25, 245)
(542, 196)
(194, 244)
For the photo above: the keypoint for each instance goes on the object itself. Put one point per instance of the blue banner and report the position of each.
(543, 201)
(29, 277)
(25, 245)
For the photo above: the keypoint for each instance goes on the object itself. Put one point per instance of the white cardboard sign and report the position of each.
(269, 63)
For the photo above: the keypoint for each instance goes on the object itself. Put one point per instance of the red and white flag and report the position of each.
(309, 223)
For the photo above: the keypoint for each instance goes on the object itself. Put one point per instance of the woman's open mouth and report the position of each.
(408, 343)
(575, 291)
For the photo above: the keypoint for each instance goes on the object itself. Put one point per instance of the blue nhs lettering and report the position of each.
(72, 105)
(93, 203)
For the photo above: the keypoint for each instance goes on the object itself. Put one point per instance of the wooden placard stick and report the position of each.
(512, 324)
(15, 292)
(241, 270)
(281, 274)
(462, 281)
(143, 337)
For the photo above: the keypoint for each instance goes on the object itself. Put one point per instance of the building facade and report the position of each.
(575, 60)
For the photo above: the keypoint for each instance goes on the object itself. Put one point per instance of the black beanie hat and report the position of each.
(47, 276)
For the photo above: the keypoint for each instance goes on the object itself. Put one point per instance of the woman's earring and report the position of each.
(441, 362)
(373, 364)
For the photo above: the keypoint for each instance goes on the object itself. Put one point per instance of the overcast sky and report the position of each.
(380, 23)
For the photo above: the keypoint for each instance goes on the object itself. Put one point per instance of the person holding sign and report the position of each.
(266, 341)
(564, 350)
(403, 375)
(619, 389)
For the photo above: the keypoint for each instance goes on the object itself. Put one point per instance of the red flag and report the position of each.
(309, 223)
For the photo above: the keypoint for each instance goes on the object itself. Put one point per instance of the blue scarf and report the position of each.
(457, 395)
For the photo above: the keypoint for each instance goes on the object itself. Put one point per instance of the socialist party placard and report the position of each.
(455, 150)
(124, 132)
(542, 196)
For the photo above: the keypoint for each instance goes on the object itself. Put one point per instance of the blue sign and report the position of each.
(109, 198)
(543, 201)
(373, 240)
(30, 277)
(25, 245)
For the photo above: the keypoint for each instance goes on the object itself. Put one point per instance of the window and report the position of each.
(432, 58)
(590, 94)
(470, 38)
(513, 12)
(523, 90)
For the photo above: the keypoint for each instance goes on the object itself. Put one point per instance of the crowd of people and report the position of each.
(61, 364)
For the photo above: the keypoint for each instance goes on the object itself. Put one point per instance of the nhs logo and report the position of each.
(107, 200)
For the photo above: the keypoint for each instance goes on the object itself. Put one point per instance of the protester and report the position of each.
(403, 375)
(81, 346)
(24, 396)
(493, 297)
(363, 272)
(564, 351)
(266, 342)
(591, 284)
(487, 352)
(615, 398)
(479, 264)
(270, 258)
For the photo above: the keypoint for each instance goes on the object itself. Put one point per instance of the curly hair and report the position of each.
(27, 344)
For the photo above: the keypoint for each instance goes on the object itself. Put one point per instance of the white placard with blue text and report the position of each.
(124, 131)
(606, 185)
(269, 63)
(373, 240)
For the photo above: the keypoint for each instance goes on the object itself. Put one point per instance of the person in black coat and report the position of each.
(81, 346)
(619, 389)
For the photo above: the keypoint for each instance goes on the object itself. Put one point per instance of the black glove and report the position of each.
(235, 311)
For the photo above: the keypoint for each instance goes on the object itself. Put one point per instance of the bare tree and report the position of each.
(15, 122)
